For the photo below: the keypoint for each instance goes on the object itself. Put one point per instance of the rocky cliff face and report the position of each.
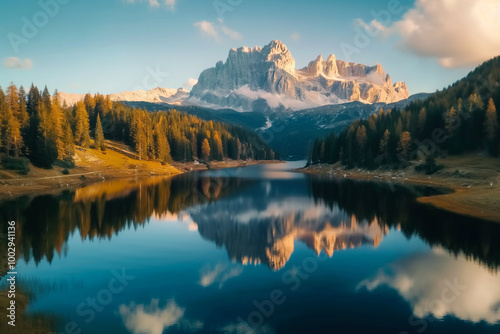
(257, 78)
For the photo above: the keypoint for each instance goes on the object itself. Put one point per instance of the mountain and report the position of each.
(265, 78)
(156, 95)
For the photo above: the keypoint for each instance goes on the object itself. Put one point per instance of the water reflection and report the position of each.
(205, 246)
(436, 286)
(154, 319)
(255, 220)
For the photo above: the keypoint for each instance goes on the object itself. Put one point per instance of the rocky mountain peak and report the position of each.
(266, 78)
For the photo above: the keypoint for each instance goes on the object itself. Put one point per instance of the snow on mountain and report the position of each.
(266, 78)
(156, 95)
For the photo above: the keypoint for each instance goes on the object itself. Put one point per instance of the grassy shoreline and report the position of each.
(94, 166)
(474, 179)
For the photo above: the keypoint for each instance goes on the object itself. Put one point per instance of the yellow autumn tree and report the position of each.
(205, 150)
(405, 144)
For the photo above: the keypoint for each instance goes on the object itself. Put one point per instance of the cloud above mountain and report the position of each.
(456, 33)
(18, 63)
(190, 83)
(217, 30)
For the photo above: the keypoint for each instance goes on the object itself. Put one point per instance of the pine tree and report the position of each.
(491, 123)
(361, 137)
(238, 149)
(82, 129)
(12, 133)
(422, 117)
(194, 143)
(45, 153)
(23, 112)
(162, 148)
(450, 123)
(399, 127)
(491, 128)
(218, 154)
(30, 132)
(139, 134)
(13, 100)
(46, 99)
(405, 144)
(99, 135)
(90, 104)
(205, 150)
(384, 144)
(68, 142)
(56, 125)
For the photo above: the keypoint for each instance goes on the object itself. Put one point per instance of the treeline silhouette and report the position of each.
(461, 118)
(395, 206)
(45, 223)
(38, 126)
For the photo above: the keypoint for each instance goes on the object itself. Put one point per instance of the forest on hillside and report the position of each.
(35, 125)
(462, 118)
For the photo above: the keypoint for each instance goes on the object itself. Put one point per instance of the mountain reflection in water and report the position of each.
(204, 247)
(256, 220)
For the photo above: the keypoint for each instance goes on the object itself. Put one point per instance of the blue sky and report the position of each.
(109, 46)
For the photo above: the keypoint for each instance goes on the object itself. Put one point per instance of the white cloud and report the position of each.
(456, 33)
(170, 4)
(217, 31)
(220, 273)
(188, 85)
(17, 63)
(438, 284)
(153, 319)
(295, 37)
(207, 28)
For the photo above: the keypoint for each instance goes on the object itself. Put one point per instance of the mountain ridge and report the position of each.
(266, 78)
(155, 95)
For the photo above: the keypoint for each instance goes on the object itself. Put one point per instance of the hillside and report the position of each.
(451, 139)
(462, 118)
(91, 166)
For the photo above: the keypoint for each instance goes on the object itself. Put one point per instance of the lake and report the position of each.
(258, 249)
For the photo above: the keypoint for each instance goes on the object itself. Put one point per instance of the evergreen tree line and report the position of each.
(462, 118)
(36, 125)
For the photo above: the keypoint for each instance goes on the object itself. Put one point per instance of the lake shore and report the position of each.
(94, 166)
(475, 181)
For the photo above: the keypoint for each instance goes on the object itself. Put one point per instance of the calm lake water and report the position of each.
(254, 250)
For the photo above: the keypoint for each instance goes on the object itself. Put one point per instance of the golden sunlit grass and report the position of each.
(92, 165)
(476, 180)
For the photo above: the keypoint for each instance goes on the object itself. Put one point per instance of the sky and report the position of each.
(109, 46)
